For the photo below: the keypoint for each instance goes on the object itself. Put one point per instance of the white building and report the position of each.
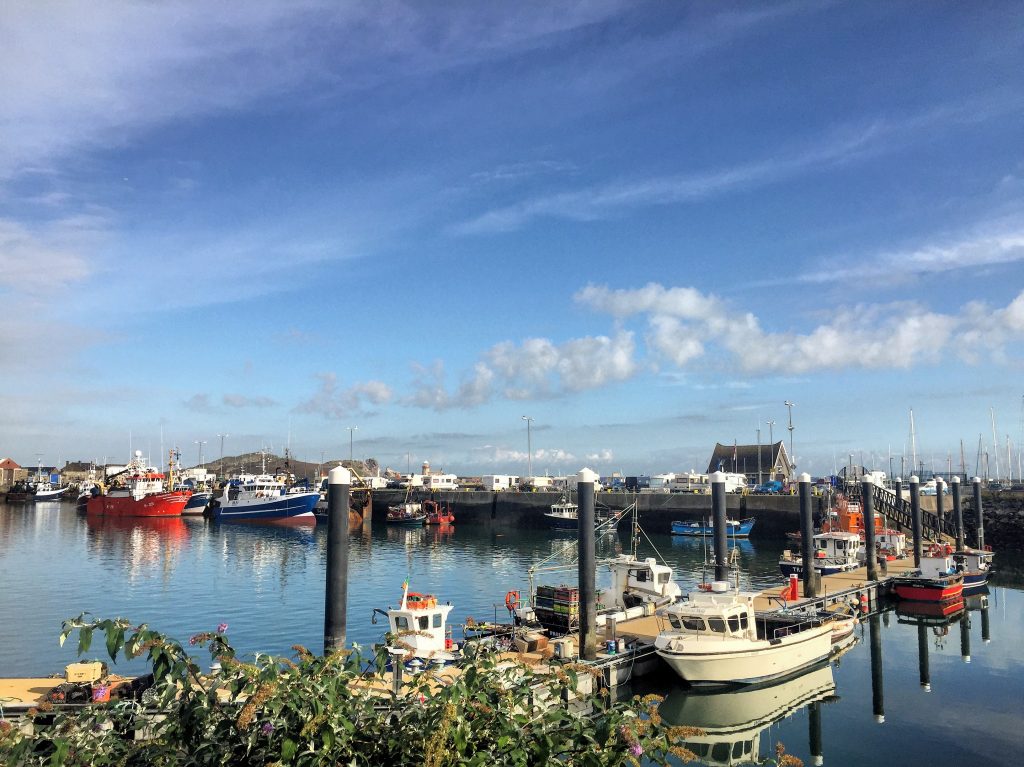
(499, 481)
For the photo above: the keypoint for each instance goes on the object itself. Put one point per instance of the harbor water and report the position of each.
(925, 691)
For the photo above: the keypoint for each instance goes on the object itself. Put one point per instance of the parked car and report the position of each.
(771, 487)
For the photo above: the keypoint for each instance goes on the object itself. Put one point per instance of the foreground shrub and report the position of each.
(338, 709)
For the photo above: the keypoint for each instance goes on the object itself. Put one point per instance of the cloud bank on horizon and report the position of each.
(608, 215)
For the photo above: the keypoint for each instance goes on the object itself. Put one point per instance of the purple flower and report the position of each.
(221, 628)
(193, 639)
(267, 728)
(636, 749)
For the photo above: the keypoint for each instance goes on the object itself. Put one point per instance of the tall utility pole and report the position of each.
(529, 447)
(792, 455)
(200, 442)
(350, 430)
(222, 438)
(771, 447)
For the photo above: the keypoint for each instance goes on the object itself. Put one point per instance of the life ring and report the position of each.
(512, 600)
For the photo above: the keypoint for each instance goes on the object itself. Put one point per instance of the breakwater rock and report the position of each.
(1004, 520)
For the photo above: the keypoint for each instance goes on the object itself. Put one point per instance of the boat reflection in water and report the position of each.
(140, 543)
(733, 721)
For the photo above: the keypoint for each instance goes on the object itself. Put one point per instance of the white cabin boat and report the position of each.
(419, 627)
(715, 637)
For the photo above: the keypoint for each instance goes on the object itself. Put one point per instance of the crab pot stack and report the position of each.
(557, 607)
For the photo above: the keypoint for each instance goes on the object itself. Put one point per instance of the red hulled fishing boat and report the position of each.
(141, 495)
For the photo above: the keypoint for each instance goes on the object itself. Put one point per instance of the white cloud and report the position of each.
(333, 402)
(534, 368)
(685, 325)
(991, 243)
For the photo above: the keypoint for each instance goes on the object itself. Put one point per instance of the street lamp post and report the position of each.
(792, 456)
(350, 430)
(771, 447)
(529, 447)
(221, 469)
(200, 442)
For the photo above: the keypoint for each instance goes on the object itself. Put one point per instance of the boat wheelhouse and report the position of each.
(419, 627)
(836, 552)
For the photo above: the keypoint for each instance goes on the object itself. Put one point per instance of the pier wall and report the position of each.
(775, 514)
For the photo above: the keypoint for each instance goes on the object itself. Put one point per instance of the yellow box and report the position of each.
(85, 672)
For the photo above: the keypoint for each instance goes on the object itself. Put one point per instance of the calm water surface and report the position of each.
(183, 576)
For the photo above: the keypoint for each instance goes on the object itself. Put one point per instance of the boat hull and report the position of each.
(49, 495)
(929, 589)
(292, 507)
(796, 568)
(714, 663)
(697, 529)
(197, 503)
(159, 505)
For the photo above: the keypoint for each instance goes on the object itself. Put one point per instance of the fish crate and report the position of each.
(546, 591)
(548, 602)
(567, 594)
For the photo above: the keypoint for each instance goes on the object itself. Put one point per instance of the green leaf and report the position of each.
(84, 639)
(115, 640)
(288, 749)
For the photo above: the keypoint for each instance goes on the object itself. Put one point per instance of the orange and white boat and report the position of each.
(142, 495)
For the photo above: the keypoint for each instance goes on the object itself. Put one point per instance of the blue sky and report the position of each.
(644, 225)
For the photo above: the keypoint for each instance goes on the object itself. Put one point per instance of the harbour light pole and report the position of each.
(350, 430)
(792, 456)
(200, 442)
(771, 447)
(222, 438)
(759, 479)
(529, 447)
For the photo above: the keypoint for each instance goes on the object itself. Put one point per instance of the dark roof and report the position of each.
(746, 457)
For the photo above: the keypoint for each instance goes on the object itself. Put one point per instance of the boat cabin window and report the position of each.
(693, 623)
(675, 622)
(717, 625)
(401, 623)
(424, 622)
(641, 575)
(663, 577)
(734, 623)
(437, 620)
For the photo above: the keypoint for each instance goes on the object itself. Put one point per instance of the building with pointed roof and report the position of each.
(758, 462)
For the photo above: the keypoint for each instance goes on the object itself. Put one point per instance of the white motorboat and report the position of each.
(716, 637)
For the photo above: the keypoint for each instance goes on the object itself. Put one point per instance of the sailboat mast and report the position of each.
(913, 444)
(995, 441)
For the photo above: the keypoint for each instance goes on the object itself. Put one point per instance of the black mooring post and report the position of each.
(958, 513)
(871, 555)
(718, 521)
(897, 488)
(986, 626)
(940, 504)
(922, 658)
(877, 690)
(965, 637)
(977, 512)
(339, 482)
(807, 536)
(587, 564)
(915, 518)
(814, 732)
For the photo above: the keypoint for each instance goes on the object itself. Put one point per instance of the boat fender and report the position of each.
(512, 600)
